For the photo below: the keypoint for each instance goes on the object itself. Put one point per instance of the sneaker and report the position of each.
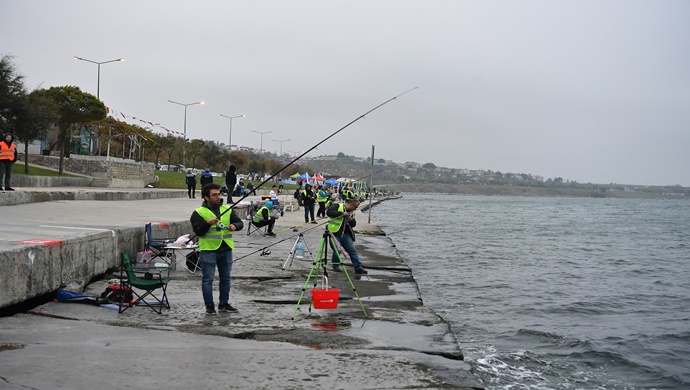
(361, 271)
(210, 309)
(314, 222)
(336, 269)
(226, 308)
(9, 189)
(271, 234)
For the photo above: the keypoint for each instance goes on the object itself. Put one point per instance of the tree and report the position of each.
(74, 107)
(35, 115)
(12, 90)
(429, 166)
(341, 156)
(195, 151)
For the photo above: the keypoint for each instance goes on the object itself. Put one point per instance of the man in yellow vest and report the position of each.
(8, 156)
(263, 218)
(214, 223)
(341, 221)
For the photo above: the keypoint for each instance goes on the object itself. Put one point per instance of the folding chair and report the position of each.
(156, 245)
(192, 261)
(130, 280)
(251, 228)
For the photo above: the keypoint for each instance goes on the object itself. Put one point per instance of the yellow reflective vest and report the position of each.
(215, 237)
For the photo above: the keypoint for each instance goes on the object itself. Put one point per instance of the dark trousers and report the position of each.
(322, 210)
(191, 190)
(6, 171)
(271, 221)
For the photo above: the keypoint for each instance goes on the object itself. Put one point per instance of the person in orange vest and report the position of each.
(8, 156)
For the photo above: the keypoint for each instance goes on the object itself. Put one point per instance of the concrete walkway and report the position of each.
(398, 344)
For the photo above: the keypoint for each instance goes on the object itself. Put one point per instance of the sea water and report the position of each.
(554, 293)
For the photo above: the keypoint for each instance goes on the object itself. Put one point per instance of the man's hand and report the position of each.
(212, 221)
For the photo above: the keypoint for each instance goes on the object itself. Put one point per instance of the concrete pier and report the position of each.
(45, 246)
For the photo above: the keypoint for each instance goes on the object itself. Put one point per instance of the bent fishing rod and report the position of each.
(309, 150)
(317, 145)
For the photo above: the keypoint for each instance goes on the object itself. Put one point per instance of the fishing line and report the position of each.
(309, 150)
(321, 142)
(278, 242)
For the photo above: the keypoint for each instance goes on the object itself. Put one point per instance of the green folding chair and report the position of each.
(148, 282)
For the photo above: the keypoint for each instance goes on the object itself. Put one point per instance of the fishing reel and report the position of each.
(221, 226)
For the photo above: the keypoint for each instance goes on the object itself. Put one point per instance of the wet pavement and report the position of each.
(271, 343)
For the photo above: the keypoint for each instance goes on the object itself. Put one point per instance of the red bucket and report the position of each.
(324, 299)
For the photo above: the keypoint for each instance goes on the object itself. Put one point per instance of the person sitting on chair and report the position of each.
(263, 218)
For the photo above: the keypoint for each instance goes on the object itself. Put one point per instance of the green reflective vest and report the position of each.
(321, 196)
(258, 217)
(334, 224)
(215, 237)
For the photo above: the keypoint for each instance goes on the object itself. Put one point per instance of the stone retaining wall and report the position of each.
(123, 173)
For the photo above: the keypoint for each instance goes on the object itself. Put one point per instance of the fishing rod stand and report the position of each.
(320, 262)
(293, 251)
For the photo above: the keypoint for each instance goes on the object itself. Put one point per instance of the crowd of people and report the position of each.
(213, 222)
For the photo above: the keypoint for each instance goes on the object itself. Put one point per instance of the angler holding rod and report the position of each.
(214, 224)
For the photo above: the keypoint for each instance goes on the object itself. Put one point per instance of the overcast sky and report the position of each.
(593, 91)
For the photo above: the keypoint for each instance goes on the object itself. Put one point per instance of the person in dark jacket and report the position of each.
(231, 181)
(206, 178)
(190, 179)
(8, 156)
(308, 200)
(214, 223)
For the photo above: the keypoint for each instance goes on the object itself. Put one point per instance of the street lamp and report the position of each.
(184, 140)
(262, 138)
(98, 86)
(231, 118)
(281, 145)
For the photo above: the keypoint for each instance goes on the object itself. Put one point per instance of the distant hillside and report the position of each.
(438, 180)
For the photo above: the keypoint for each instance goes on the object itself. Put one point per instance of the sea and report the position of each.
(554, 293)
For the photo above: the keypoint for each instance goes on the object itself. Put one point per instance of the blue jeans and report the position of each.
(308, 210)
(209, 260)
(346, 242)
(6, 170)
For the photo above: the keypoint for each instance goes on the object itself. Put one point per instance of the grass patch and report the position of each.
(18, 169)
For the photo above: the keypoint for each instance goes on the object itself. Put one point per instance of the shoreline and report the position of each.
(401, 343)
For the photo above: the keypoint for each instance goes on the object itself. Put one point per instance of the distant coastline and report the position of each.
(489, 190)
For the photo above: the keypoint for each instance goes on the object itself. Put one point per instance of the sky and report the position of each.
(590, 90)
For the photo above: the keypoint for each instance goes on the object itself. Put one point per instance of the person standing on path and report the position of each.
(308, 200)
(8, 156)
(321, 198)
(190, 179)
(341, 221)
(214, 223)
(206, 178)
(231, 181)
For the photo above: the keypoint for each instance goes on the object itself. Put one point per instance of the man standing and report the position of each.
(321, 199)
(214, 223)
(341, 221)
(231, 181)
(308, 200)
(8, 156)
(206, 178)
(190, 179)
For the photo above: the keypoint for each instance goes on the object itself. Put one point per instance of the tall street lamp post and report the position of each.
(230, 137)
(281, 144)
(261, 149)
(184, 140)
(98, 85)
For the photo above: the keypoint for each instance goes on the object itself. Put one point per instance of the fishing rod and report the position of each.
(309, 150)
(318, 144)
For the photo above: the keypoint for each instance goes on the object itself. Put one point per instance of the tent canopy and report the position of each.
(294, 176)
(331, 181)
